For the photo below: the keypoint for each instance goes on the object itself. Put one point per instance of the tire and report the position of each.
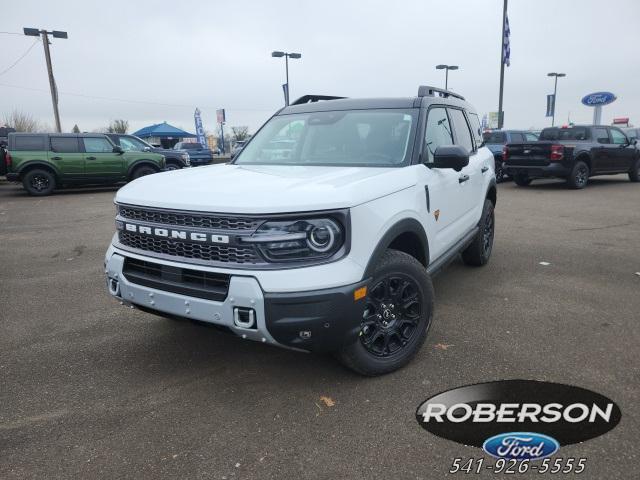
(39, 182)
(499, 169)
(143, 171)
(479, 252)
(391, 336)
(579, 176)
(634, 173)
(522, 180)
(173, 166)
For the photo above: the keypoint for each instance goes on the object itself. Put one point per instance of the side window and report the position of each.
(531, 137)
(461, 129)
(618, 137)
(601, 135)
(127, 145)
(517, 138)
(97, 145)
(437, 132)
(64, 144)
(28, 142)
(476, 129)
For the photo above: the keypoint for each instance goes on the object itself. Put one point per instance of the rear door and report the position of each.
(623, 154)
(102, 164)
(66, 154)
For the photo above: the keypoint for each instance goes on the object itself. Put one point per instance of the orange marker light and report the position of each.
(359, 293)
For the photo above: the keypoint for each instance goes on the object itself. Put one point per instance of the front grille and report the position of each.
(209, 253)
(193, 283)
(188, 219)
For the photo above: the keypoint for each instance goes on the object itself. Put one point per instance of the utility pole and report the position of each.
(34, 32)
(446, 75)
(286, 56)
(555, 91)
(504, 24)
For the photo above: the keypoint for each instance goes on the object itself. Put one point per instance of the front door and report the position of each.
(102, 164)
(622, 152)
(66, 154)
(602, 160)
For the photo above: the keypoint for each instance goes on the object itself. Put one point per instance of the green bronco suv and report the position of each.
(45, 161)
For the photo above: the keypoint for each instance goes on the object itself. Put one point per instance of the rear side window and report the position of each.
(601, 135)
(461, 129)
(28, 142)
(64, 144)
(438, 132)
(476, 129)
(97, 145)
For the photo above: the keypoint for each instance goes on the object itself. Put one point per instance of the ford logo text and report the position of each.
(521, 446)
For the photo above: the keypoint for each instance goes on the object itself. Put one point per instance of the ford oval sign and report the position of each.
(521, 446)
(488, 414)
(598, 99)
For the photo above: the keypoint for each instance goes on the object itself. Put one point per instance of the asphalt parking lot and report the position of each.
(91, 389)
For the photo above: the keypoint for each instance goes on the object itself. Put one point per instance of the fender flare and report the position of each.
(406, 225)
(141, 162)
(39, 163)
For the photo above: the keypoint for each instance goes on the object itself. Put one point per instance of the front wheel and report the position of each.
(172, 166)
(397, 316)
(579, 176)
(634, 173)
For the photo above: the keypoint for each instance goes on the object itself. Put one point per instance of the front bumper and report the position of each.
(533, 171)
(318, 321)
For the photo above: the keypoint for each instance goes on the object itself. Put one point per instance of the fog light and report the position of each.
(244, 317)
(114, 287)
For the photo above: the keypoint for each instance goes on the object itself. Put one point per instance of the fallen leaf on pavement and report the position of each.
(442, 346)
(328, 401)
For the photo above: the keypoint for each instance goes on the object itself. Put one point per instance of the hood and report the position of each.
(167, 151)
(264, 189)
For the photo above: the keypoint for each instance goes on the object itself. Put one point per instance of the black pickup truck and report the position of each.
(574, 153)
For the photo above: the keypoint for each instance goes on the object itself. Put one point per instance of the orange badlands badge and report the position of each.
(437, 214)
(359, 293)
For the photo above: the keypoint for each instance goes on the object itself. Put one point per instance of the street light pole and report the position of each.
(34, 32)
(446, 68)
(286, 56)
(555, 91)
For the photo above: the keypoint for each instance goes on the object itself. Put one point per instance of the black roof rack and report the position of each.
(427, 91)
(314, 98)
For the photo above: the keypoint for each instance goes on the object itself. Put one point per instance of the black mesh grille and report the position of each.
(190, 219)
(212, 253)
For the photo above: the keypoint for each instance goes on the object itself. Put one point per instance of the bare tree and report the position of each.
(240, 133)
(75, 129)
(21, 121)
(118, 126)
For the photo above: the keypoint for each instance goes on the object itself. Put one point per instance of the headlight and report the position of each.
(296, 240)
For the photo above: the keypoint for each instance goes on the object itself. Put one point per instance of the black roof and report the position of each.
(350, 104)
(55, 134)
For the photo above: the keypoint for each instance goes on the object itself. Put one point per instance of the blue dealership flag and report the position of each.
(506, 43)
(202, 139)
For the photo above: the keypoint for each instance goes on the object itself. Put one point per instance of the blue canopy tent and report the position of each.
(163, 134)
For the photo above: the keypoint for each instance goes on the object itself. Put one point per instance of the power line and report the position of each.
(20, 58)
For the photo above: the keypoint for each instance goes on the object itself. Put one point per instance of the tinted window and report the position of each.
(495, 137)
(28, 142)
(573, 133)
(64, 144)
(618, 137)
(437, 134)
(131, 144)
(476, 129)
(97, 145)
(517, 137)
(461, 127)
(601, 135)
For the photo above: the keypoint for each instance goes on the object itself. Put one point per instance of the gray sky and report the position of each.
(212, 54)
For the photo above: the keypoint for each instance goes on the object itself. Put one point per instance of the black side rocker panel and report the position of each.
(446, 258)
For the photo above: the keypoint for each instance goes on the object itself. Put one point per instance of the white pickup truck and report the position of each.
(328, 246)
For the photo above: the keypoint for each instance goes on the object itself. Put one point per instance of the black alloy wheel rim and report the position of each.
(392, 315)
(172, 167)
(499, 173)
(487, 234)
(39, 182)
(581, 175)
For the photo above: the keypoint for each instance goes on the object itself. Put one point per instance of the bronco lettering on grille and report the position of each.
(172, 233)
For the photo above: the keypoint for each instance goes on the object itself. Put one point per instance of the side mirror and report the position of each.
(118, 150)
(633, 141)
(450, 156)
(146, 149)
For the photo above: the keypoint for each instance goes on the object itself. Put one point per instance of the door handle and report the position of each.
(91, 158)
(463, 178)
(56, 158)
(484, 169)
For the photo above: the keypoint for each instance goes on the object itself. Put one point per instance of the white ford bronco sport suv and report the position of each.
(322, 234)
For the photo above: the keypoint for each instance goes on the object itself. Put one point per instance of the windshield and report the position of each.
(573, 133)
(494, 137)
(337, 138)
(132, 144)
